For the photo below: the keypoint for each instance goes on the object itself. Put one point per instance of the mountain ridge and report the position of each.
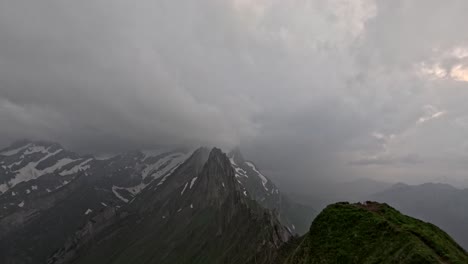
(215, 195)
(374, 233)
(138, 181)
(441, 204)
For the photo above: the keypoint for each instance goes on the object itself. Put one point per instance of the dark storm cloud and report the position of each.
(306, 88)
(115, 74)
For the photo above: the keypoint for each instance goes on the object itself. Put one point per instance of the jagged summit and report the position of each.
(41, 181)
(262, 189)
(216, 183)
(170, 206)
(197, 202)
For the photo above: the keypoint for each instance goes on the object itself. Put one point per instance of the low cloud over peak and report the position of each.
(302, 86)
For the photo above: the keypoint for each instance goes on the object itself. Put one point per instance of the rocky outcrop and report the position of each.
(206, 219)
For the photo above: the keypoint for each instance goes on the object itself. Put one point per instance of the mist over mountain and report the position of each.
(49, 194)
(440, 204)
(325, 193)
(311, 90)
(236, 131)
(181, 206)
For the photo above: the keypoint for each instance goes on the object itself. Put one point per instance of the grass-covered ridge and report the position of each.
(374, 233)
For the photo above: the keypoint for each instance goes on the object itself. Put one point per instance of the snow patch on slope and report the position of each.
(240, 172)
(185, 187)
(171, 171)
(14, 151)
(193, 182)
(3, 188)
(116, 193)
(29, 172)
(58, 165)
(135, 189)
(263, 178)
(35, 149)
(232, 161)
(171, 162)
(105, 156)
(80, 167)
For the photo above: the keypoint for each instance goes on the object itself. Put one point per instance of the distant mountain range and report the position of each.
(327, 192)
(203, 206)
(48, 194)
(440, 204)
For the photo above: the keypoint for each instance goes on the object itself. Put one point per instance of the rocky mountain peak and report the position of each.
(218, 164)
(194, 193)
(217, 181)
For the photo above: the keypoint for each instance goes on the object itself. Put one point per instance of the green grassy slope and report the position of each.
(374, 233)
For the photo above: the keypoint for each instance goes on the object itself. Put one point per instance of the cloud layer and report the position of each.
(309, 89)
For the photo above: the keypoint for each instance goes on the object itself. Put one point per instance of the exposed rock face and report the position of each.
(83, 236)
(171, 206)
(206, 219)
(296, 217)
(65, 194)
(47, 192)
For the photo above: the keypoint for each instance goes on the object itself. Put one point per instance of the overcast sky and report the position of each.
(335, 89)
